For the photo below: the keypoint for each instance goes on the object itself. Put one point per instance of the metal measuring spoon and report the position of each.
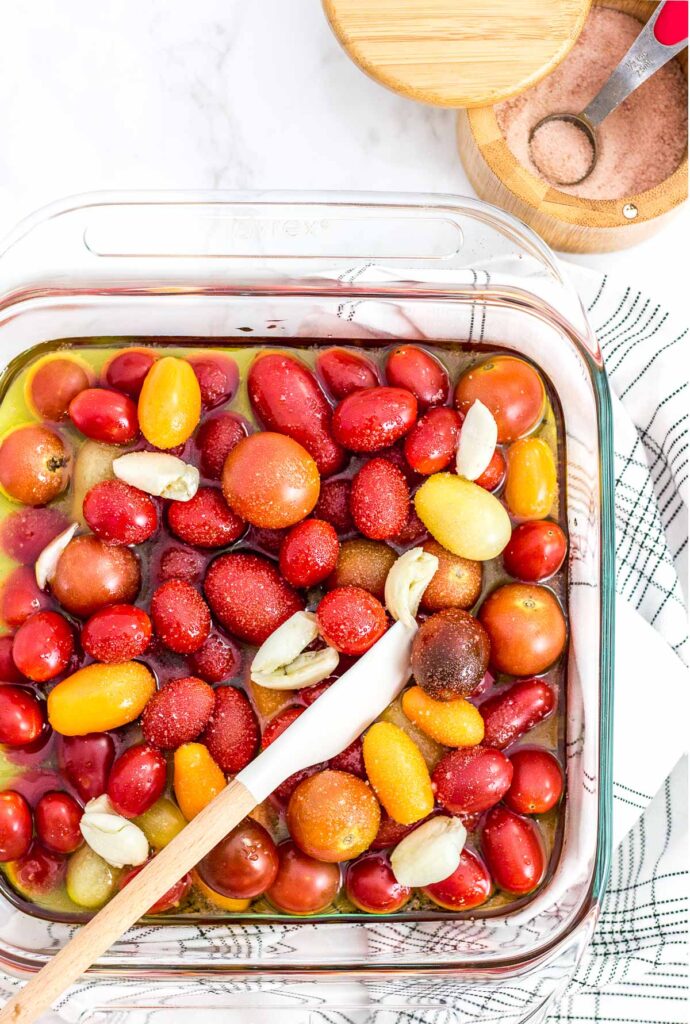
(664, 35)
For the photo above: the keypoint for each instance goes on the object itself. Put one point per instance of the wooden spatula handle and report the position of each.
(178, 857)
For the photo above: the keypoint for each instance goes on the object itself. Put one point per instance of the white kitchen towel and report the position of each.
(635, 969)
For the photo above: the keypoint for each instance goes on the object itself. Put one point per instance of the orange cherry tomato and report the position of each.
(169, 403)
(270, 480)
(526, 628)
(531, 482)
(510, 388)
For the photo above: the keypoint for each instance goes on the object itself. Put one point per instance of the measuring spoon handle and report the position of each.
(664, 35)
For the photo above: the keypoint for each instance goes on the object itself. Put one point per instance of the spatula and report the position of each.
(329, 725)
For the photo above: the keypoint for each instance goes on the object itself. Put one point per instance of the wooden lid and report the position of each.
(457, 53)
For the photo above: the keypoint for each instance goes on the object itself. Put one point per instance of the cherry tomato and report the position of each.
(170, 899)
(218, 378)
(531, 481)
(514, 711)
(38, 872)
(374, 418)
(53, 385)
(526, 628)
(119, 632)
(468, 887)
(494, 474)
(345, 372)
(333, 816)
(372, 886)
(15, 826)
(215, 439)
(22, 718)
(391, 831)
(120, 514)
(244, 864)
(57, 822)
(416, 370)
(471, 779)
(137, 779)
(24, 534)
(9, 673)
(351, 759)
(34, 464)
(21, 597)
(537, 781)
(535, 551)
(431, 444)
(248, 596)
(309, 553)
(303, 885)
(127, 371)
(43, 646)
(104, 415)
(510, 388)
(334, 505)
(513, 850)
(270, 480)
(286, 398)
(85, 762)
(351, 619)
(170, 403)
(91, 574)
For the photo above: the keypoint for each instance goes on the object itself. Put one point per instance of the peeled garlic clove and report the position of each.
(118, 841)
(46, 563)
(158, 473)
(477, 443)
(408, 578)
(429, 854)
(280, 662)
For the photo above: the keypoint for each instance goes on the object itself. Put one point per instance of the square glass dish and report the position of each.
(214, 269)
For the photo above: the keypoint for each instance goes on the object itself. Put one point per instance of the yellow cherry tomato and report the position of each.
(398, 773)
(531, 481)
(169, 403)
(100, 697)
(454, 723)
(463, 517)
(197, 779)
(161, 822)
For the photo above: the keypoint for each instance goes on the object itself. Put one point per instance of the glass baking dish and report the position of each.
(206, 266)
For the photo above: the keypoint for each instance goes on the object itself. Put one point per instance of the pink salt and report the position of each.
(562, 152)
(639, 145)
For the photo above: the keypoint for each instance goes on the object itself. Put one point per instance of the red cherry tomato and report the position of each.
(85, 762)
(244, 864)
(526, 627)
(120, 514)
(286, 398)
(513, 850)
(510, 388)
(137, 779)
(170, 899)
(471, 779)
(57, 822)
(309, 553)
(416, 370)
(218, 378)
(351, 760)
(537, 781)
(54, 384)
(431, 444)
(391, 832)
(15, 826)
(22, 717)
(127, 371)
(24, 533)
(494, 474)
(104, 415)
(345, 372)
(91, 574)
(514, 711)
(535, 551)
(270, 480)
(9, 673)
(468, 887)
(21, 597)
(374, 418)
(303, 885)
(43, 646)
(372, 886)
(39, 871)
(119, 632)
(351, 619)
(215, 439)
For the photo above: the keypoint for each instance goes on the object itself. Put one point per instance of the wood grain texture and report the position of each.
(566, 222)
(125, 909)
(457, 53)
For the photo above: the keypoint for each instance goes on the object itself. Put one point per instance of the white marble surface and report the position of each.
(222, 94)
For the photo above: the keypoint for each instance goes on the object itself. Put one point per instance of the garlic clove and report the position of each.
(282, 663)
(408, 578)
(46, 563)
(429, 854)
(158, 473)
(118, 841)
(477, 442)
